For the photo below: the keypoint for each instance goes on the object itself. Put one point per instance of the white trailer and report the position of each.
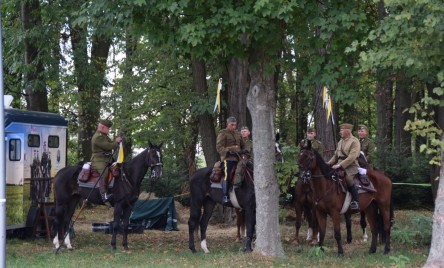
(36, 149)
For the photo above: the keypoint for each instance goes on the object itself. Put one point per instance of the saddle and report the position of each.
(362, 182)
(91, 175)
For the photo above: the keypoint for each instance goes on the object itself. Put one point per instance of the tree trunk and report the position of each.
(402, 138)
(384, 115)
(326, 132)
(436, 258)
(90, 79)
(35, 88)
(261, 102)
(237, 90)
(206, 122)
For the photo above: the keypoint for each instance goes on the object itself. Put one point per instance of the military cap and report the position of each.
(245, 127)
(107, 123)
(311, 129)
(231, 119)
(363, 127)
(346, 126)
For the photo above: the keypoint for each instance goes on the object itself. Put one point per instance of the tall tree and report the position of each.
(35, 87)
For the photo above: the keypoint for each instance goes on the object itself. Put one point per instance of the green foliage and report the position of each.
(424, 125)
(390, 48)
(416, 233)
(286, 171)
(400, 261)
(413, 170)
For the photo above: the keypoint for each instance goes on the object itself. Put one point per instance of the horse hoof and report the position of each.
(371, 251)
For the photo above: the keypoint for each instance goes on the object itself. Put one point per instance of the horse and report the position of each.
(203, 195)
(240, 216)
(303, 203)
(362, 161)
(126, 190)
(329, 197)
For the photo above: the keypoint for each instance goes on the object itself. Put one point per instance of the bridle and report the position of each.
(157, 164)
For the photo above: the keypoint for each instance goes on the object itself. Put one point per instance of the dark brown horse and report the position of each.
(125, 192)
(329, 197)
(202, 195)
(303, 204)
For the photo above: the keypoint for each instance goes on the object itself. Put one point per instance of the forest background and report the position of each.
(153, 68)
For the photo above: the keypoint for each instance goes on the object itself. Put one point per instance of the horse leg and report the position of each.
(337, 231)
(371, 213)
(348, 224)
(298, 209)
(249, 224)
(118, 210)
(363, 224)
(387, 215)
(126, 216)
(195, 213)
(322, 223)
(240, 223)
(207, 212)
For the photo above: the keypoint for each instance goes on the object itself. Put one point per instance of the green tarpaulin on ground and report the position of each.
(159, 214)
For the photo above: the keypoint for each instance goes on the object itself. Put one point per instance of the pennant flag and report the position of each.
(217, 102)
(327, 104)
(120, 155)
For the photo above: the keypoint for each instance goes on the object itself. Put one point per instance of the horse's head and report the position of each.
(154, 159)
(306, 161)
(277, 150)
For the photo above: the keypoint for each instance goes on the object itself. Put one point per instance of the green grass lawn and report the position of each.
(410, 246)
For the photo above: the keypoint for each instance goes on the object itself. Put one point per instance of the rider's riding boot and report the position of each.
(354, 205)
(225, 199)
(103, 188)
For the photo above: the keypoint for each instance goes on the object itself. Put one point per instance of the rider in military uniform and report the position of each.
(102, 147)
(228, 143)
(248, 144)
(345, 156)
(315, 144)
(367, 144)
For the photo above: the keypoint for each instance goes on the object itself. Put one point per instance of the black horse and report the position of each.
(125, 191)
(203, 195)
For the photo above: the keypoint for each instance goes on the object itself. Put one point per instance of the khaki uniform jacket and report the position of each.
(226, 139)
(318, 146)
(346, 155)
(368, 147)
(248, 145)
(102, 147)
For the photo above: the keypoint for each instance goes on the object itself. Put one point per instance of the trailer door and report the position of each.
(15, 158)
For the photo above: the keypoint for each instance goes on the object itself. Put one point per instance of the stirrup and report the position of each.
(226, 201)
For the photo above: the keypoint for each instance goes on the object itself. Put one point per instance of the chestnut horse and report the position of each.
(329, 196)
(125, 192)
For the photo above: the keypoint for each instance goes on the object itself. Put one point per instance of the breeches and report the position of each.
(227, 166)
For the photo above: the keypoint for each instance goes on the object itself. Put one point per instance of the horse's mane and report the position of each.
(325, 169)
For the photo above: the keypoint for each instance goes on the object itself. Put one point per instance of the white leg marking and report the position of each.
(55, 241)
(68, 242)
(309, 234)
(203, 245)
(365, 236)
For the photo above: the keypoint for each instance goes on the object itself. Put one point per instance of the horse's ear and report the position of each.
(150, 144)
(278, 136)
(160, 145)
(309, 144)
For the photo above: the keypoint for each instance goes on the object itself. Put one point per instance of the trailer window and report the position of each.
(15, 150)
(53, 141)
(33, 140)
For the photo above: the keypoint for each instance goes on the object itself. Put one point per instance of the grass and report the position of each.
(170, 249)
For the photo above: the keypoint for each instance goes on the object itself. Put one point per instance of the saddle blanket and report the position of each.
(91, 184)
